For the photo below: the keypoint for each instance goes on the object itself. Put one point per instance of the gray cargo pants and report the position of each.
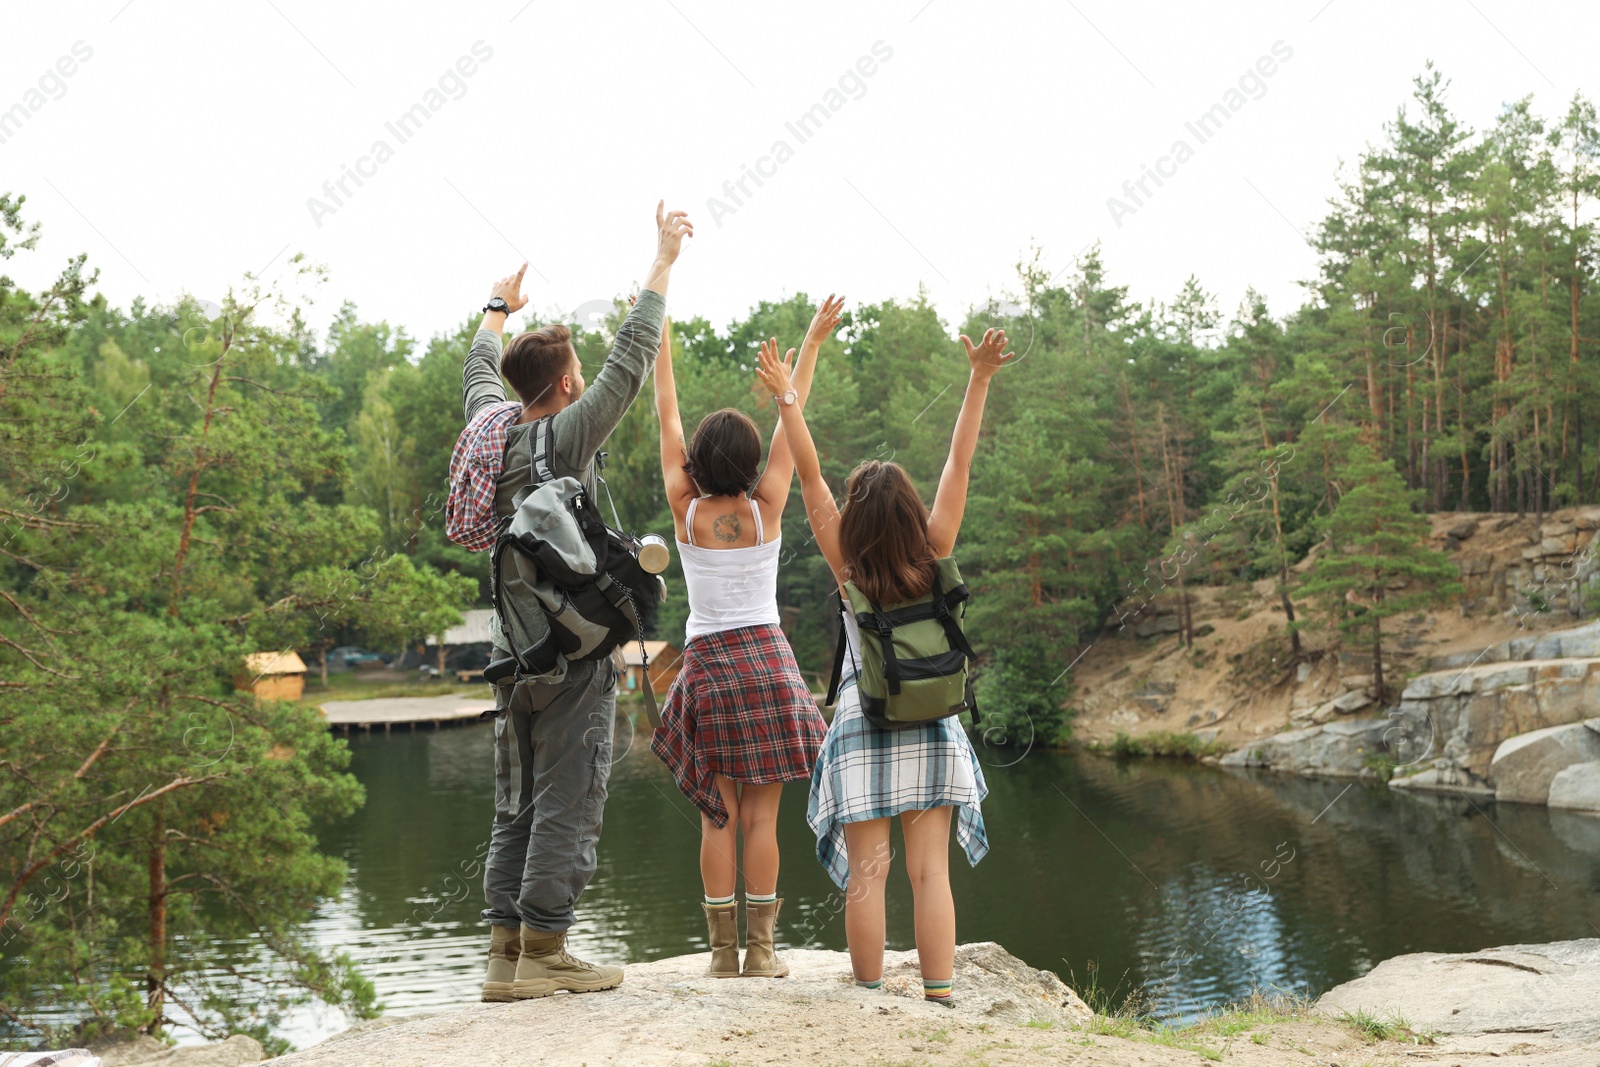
(552, 760)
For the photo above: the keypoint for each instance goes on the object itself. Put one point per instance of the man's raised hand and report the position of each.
(986, 356)
(671, 228)
(509, 289)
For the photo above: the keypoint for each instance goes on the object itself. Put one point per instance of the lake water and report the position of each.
(1193, 883)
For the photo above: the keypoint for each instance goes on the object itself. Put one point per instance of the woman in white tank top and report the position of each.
(739, 720)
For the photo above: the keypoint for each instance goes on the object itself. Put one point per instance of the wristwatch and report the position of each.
(787, 397)
(497, 304)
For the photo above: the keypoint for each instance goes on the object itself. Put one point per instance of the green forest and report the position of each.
(183, 485)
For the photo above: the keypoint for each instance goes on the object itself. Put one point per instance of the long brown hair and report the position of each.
(883, 534)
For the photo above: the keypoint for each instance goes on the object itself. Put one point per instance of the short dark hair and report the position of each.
(535, 361)
(724, 455)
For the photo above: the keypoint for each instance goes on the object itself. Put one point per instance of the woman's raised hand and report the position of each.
(986, 356)
(774, 372)
(824, 321)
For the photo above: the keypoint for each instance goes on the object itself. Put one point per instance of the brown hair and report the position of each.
(724, 454)
(535, 361)
(883, 534)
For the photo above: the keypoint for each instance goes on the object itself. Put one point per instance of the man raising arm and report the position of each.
(552, 737)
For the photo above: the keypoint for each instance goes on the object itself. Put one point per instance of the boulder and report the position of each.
(1524, 766)
(1161, 624)
(1576, 787)
(667, 1012)
(1462, 530)
(1514, 993)
(1351, 702)
(1580, 641)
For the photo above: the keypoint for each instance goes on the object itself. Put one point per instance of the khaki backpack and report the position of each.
(915, 658)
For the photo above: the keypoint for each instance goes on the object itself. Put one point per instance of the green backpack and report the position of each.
(916, 659)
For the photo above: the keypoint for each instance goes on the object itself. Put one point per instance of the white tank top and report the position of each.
(730, 587)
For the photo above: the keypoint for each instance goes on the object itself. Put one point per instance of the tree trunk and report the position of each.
(156, 976)
(194, 486)
(324, 668)
(1379, 687)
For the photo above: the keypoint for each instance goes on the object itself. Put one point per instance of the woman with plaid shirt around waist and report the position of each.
(888, 543)
(739, 720)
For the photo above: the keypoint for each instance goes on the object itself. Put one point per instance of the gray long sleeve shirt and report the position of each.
(582, 427)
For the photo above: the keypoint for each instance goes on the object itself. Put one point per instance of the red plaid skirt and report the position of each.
(738, 708)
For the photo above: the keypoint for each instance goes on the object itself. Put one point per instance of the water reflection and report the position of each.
(1191, 882)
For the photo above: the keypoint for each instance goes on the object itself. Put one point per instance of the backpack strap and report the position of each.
(952, 629)
(839, 651)
(541, 446)
(885, 631)
(619, 595)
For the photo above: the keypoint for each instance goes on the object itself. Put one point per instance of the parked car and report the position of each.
(355, 657)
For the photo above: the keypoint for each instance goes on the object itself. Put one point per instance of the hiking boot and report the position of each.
(504, 946)
(760, 960)
(722, 922)
(545, 967)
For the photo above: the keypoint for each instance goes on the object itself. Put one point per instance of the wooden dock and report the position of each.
(411, 713)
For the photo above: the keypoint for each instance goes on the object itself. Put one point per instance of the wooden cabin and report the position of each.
(272, 675)
(665, 662)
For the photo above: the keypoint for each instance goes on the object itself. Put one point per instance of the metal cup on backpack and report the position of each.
(654, 555)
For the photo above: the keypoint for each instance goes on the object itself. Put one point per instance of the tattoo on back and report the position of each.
(725, 528)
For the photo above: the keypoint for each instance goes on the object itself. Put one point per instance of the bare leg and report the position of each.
(868, 846)
(719, 849)
(758, 817)
(927, 834)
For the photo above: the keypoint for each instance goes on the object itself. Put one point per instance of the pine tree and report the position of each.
(1376, 562)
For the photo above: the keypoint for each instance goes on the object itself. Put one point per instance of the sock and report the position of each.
(939, 991)
(720, 902)
(759, 898)
(876, 983)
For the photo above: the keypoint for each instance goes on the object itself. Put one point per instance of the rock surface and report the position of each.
(666, 1012)
(1350, 748)
(1533, 1001)
(1538, 1003)
(143, 1051)
(1461, 728)
(1524, 766)
(1577, 787)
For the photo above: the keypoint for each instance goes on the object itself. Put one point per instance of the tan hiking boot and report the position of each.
(505, 945)
(544, 967)
(722, 924)
(760, 960)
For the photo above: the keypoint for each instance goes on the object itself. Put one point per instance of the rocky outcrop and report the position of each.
(1548, 574)
(1503, 722)
(1525, 766)
(1485, 705)
(1533, 1001)
(1576, 787)
(1352, 748)
(667, 1012)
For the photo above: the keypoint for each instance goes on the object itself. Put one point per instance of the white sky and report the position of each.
(183, 152)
